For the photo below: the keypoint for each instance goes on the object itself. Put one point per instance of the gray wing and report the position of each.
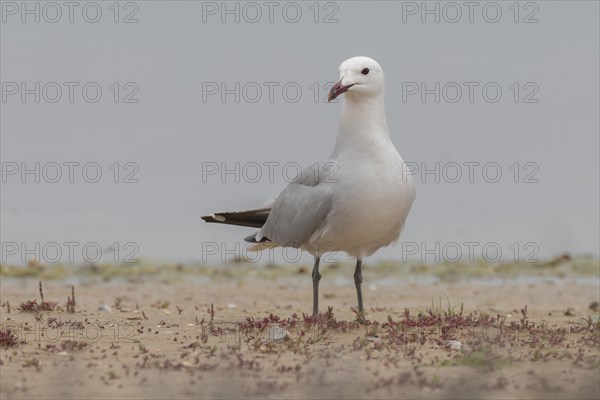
(299, 211)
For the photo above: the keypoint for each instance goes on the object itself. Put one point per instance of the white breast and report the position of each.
(376, 198)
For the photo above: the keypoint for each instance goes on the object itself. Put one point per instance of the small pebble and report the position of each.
(104, 308)
(277, 333)
(455, 344)
(570, 312)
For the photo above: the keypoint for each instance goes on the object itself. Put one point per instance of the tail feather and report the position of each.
(252, 218)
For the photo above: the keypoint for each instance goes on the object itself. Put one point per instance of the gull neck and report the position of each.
(362, 124)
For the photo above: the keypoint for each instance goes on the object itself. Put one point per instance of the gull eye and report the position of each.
(365, 71)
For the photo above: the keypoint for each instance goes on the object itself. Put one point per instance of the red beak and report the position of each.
(337, 89)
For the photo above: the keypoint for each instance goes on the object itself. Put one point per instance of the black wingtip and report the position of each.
(210, 218)
(252, 218)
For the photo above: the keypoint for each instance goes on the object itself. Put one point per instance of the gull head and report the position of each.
(360, 77)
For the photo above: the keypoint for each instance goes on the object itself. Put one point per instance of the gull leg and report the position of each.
(316, 277)
(357, 282)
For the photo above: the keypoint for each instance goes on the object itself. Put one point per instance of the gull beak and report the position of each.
(338, 89)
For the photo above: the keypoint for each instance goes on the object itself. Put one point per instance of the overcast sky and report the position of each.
(166, 98)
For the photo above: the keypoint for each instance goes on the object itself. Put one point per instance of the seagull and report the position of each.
(356, 201)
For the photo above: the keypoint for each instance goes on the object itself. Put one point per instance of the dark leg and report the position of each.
(357, 282)
(316, 277)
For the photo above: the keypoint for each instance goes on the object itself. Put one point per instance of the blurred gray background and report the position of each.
(178, 49)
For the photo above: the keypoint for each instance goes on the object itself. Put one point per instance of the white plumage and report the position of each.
(358, 200)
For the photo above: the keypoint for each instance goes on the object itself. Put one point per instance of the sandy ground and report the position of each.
(161, 340)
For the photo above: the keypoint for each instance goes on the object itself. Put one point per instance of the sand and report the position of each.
(425, 338)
